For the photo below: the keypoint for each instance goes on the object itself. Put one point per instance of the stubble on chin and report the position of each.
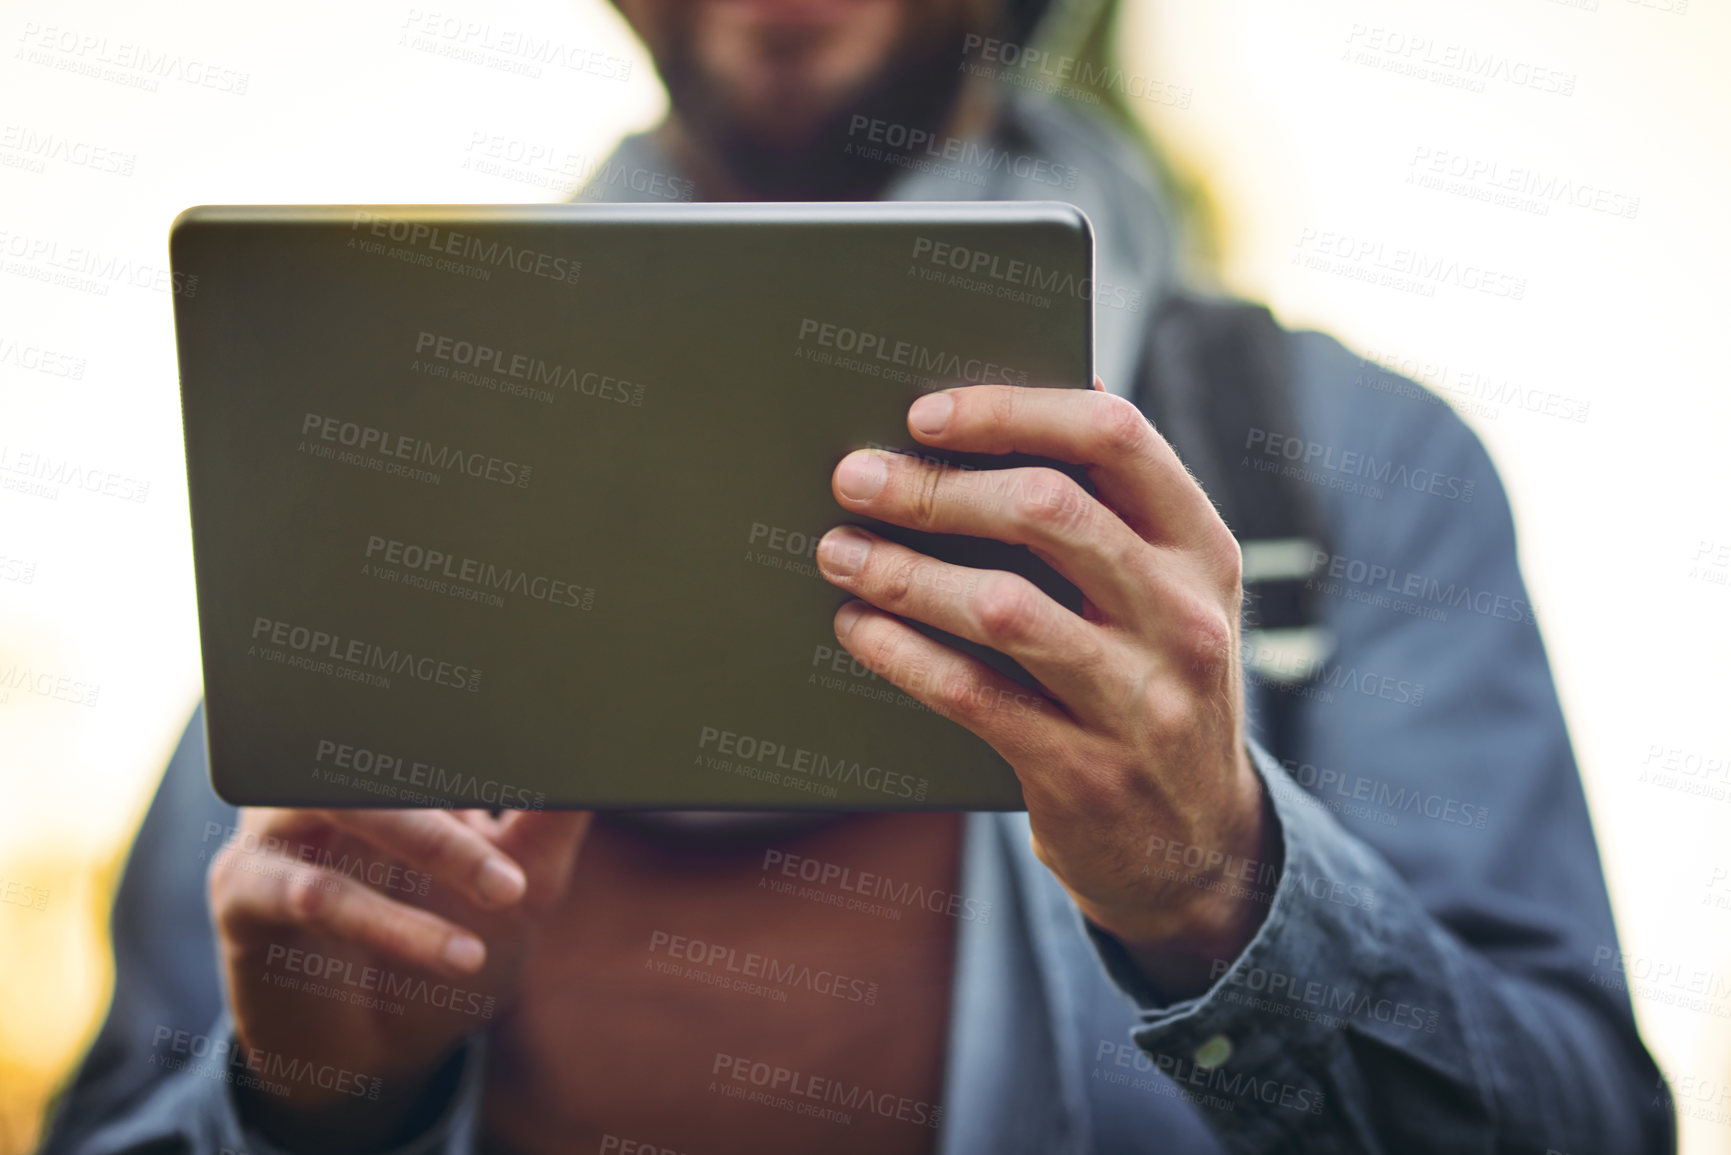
(800, 149)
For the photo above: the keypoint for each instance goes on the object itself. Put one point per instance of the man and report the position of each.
(1356, 907)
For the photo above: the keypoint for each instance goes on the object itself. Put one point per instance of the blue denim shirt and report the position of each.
(1434, 972)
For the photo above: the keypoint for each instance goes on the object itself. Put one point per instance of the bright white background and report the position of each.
(1625, 517)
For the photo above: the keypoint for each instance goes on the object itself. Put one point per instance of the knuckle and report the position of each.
(308, 895)
(1204, 641)
(1167, 715)
(928, 484)
(437, 841)
(898, 580)
(1122, 428)
(397, 932)
(1004, 607)
(1002, 404)
(1050, 500)
(955, 694)
(1229, 563)
(875, 648)
(1222, 557)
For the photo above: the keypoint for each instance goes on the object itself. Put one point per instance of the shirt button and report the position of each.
(1214, 1052)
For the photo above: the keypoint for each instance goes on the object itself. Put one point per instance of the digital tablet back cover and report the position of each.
(517, 506)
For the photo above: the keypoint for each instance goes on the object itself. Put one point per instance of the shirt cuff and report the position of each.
(452, 1132)
(1343, 948)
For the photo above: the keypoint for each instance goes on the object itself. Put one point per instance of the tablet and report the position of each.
(517, 506)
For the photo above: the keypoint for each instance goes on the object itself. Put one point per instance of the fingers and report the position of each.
(1037, 507)
(1070, 657)
(545, 844)
(444, 847)
(302, 897)
(1022, 725)
(1137, 474)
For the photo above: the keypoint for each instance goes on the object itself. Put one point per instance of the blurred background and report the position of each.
(1308, 142)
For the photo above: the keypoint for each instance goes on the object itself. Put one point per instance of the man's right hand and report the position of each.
(367, 944)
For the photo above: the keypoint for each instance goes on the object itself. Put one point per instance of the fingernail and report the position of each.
(466, 954)
(932, 412)
(845, 619)
(501, 882)
(843, 551)
(860, 475)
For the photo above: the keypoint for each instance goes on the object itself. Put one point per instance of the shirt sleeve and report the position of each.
(155, 1079)
(194, 1108)
(1438, 968)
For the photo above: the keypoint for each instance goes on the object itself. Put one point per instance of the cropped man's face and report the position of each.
(770, 88)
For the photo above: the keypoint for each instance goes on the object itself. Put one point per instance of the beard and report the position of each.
(915, 90)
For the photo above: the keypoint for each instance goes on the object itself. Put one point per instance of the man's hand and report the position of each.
(1140, 742)
(370, 943)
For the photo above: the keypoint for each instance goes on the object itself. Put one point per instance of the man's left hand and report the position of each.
(1140, 791)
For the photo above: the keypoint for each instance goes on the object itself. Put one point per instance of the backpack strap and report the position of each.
(1214, 373)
